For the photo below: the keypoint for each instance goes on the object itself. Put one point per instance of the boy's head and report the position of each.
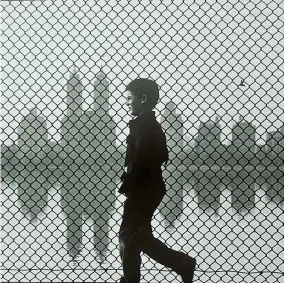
(142, 95)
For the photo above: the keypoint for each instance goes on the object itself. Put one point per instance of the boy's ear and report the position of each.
(143, 98)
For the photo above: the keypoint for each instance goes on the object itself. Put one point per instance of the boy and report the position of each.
(144, 187)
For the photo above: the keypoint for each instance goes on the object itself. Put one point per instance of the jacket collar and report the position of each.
(143, 116)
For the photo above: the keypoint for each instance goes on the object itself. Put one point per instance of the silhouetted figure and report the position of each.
(33, 188)
(86, 196)
(172, 205)
(144, 187)
(33, 136)
(243, 189)
(88, 179)
(243, 141)
(274, 186)
(208, 188)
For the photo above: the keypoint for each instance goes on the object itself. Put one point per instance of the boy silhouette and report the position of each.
(144, 188)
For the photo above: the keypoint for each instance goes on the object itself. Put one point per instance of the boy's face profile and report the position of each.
(136, 104)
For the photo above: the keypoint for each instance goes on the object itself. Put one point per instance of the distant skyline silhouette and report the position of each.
(197, 73)
(101, 105)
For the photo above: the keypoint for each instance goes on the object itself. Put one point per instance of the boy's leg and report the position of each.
(131, 259)
(137, 214)
(177, 261)
(136, 235)
(128, 249)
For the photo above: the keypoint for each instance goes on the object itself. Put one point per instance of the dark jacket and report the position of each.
(146, 151)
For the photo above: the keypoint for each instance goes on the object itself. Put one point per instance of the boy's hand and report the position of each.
(123, 176)
(124, 188)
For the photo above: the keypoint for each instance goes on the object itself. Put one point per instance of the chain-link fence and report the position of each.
(65, 65)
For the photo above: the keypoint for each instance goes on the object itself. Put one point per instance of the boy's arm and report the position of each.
(133, 173)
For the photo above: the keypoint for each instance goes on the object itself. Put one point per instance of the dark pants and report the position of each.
(135, 235)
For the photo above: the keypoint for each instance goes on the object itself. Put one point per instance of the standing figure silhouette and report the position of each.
(144, 188)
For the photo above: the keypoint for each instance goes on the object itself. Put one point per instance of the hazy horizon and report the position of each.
(197, 53)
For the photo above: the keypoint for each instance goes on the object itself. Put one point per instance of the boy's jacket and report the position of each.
(146, 151)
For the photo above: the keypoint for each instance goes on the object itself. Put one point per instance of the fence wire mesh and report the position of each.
(65, 65)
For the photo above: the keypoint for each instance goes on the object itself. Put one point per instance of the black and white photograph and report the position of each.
(142, 141)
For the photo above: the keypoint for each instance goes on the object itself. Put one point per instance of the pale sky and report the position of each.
(197, 52)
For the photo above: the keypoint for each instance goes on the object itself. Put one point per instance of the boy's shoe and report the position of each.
(122, 280)
(188, 268)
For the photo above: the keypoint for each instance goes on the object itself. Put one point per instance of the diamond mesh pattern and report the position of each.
(65, 65)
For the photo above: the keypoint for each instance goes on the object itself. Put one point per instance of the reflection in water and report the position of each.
(243, 189)
(208, 188)
(87, 192)
(171, 206)
(33, 186)
(274, 186)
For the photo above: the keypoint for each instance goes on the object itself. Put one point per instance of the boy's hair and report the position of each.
(148, 87)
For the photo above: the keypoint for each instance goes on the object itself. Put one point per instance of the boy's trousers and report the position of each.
(135, 234)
